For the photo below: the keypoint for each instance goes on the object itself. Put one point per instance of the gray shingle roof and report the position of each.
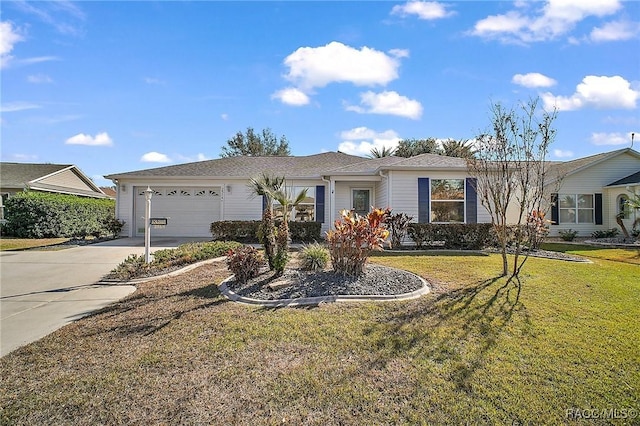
(628, 180)
(310, 166)
(570, 167)
(422, 161)
(16, 175)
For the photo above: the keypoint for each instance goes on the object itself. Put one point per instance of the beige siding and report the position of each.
(237, 202)
(404, 191)
(343, 194)
(381, 191)
(593, 180)
(67, 179)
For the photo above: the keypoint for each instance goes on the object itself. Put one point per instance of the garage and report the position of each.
(190, 210)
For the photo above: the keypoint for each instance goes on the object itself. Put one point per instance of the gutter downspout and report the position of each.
(331, 200)
(387, 177)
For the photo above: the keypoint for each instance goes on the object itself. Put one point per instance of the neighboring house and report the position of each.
(430, 188)
(59, 178)
(593, 192)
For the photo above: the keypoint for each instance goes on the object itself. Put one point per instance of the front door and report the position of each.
(361, 201)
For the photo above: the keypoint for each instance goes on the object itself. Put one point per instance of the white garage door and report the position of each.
(190, 210)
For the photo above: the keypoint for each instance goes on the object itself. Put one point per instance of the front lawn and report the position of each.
(474, 351)
(9, 243)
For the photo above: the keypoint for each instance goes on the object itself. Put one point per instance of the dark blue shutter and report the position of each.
(598, 208)
(472, 200)
(555, 209)
(320, 203)
(423, 200)
(264, 203)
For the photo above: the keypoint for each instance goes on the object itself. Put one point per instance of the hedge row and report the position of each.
(458, 236)
(44, 215)
(246, 231)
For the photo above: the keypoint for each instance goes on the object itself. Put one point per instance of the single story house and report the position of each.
(428, 187)
(57, 178)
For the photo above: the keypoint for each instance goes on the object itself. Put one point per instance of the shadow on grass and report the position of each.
(457, 328)
(146, 314)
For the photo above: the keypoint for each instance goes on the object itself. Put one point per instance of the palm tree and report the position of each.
(283, 195)
(266, 185)
(384, 152)
(457, 148)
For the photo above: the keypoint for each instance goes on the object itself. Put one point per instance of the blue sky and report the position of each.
(122, 86)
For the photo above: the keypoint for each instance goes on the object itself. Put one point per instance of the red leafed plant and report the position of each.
(244, 263)
(353, 238)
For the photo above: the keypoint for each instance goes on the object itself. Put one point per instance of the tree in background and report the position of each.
(457, 148)
(412, 147)
(255, 144)
(380, 153)
(510, 167)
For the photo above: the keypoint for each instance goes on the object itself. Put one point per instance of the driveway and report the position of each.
(42, 290)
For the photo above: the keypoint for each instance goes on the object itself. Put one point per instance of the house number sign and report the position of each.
(155, 221)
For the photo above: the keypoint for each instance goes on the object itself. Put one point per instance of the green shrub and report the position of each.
(305, 232)
(132, 267)
(44, 215)
(248, 231)
(315, 257)
(568, 234)
(353, 239)
(608, 233)
(245, 231)
(457, 236)
(397, 224)
(135, 267)
(244, 262)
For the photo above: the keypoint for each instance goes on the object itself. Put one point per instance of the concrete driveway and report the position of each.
(42, 290)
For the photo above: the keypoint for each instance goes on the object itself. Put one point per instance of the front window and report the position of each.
(303, 212)
(576, 208)
(447, 200)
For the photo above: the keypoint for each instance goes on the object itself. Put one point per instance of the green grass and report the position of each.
(475, 351)
(616, 254)
(8, 243)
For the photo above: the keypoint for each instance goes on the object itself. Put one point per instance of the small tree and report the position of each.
(510, 167)
(266, 185)
(288, 202)
(256, 144)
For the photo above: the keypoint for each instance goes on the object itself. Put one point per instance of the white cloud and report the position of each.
(427, 10)
(18, 106)
(155, 157)
(224, 116)
(562, 153)
(311, 67)
(291, 96)
(556, 18)
(399, 53)
(610, 138)
(614, 31)
(39, 79)
(100, 139)
(63, 15)
(532, 80)
(597, 92)
(154, 81)
(361, 140)
(387, 102)
(9, 36)
(190, 159)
